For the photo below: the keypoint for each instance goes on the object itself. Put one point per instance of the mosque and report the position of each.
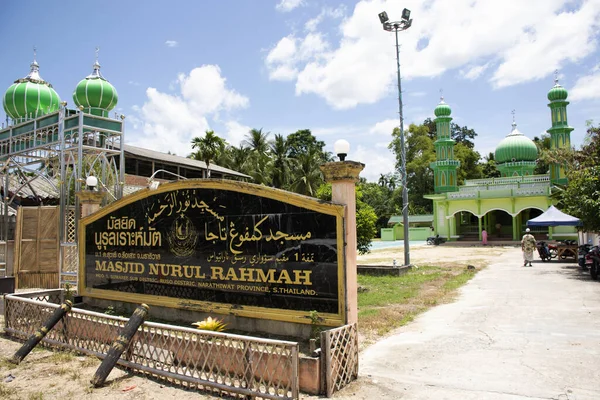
(500, 205)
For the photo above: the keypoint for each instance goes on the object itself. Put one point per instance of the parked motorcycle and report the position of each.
(592, 261)
(553, 249)
(543, 250)
(435, 240)
(581, 252)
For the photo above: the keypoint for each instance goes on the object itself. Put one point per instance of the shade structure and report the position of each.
(554, 217)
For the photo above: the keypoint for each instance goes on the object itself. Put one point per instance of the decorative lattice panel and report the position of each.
(70, 259)
(70, 226)
(340, 349)
(226, 364)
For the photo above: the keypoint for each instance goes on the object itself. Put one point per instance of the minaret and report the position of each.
(444, 168)
(560, 133)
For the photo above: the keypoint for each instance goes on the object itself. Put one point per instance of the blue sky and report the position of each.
(186, 66)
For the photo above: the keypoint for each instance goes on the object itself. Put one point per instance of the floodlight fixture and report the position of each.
(383, 17)
(405, 14)
(341, 148)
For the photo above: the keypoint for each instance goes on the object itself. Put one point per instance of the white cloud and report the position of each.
(385, 127)
(517, 41)
(205, 92)
(376, 163)
(587, 87)
(474, 72)
(326, 13)
(288, 5)
(280, 60)
(168, 122)
(172, 43)
(235, 132)
(290, 51)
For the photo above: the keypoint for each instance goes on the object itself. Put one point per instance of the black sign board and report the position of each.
(225, 247)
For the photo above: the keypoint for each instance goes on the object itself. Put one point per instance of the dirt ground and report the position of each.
(57, 375)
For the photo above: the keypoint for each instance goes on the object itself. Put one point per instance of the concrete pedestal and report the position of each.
(343, 176)
(90, 201)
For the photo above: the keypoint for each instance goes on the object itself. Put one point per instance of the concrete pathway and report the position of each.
(514, 333)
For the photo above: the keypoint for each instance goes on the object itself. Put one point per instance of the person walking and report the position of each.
(484, 237)
(528, 245)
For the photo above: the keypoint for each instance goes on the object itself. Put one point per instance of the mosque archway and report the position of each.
(499, 225)
(467, 225)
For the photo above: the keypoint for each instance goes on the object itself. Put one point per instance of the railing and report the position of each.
(475, 192)
(340, 351)
(221, 363)
(508, 180)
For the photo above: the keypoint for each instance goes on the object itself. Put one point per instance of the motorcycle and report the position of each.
(435, 240)
(553, 249)
(592, 261)
(581, 252)
(543, 251)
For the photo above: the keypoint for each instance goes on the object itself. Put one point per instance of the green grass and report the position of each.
(386, 290)
(369, 312)
(389, 302)
(457, 281)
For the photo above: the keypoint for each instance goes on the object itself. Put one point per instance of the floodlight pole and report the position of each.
(402, 157)
(397, 27)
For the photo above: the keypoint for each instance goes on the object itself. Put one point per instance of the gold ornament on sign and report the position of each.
(182, 237)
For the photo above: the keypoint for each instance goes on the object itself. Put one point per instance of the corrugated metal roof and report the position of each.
(38, 187)
(188, 162)
(397, 219)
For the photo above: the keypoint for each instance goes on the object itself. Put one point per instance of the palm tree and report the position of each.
(257, 141)
(280, 161)
(238, 158)
(208, 148)
(259, 162)
(306, 175)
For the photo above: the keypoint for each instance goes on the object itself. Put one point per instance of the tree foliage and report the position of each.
(460, 134)
(366, 217)
(581, 196)
(489, 169)
(207, 148)
(543, 144)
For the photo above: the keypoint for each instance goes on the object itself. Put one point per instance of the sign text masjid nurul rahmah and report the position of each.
(206, 244)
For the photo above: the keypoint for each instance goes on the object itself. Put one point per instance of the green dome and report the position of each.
(30, 96)
(516, 147)
(442, 109)
(557, 93)
(95, 93)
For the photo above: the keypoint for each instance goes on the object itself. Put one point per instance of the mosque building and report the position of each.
(502, 206)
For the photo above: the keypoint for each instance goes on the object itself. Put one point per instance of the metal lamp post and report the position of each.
(398, 26)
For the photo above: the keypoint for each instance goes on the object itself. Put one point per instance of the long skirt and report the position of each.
(528, 255)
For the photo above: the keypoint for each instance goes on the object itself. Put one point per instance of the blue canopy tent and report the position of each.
(554, 217)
